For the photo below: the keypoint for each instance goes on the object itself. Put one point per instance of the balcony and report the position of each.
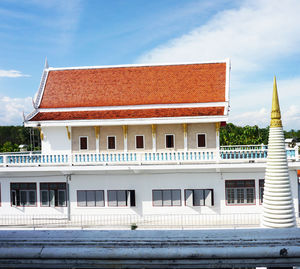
(226, 154)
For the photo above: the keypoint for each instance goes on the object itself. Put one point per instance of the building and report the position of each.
(136, 145)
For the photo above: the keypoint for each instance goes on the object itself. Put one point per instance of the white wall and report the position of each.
(7, 209)
(143, 184)
(55, 140)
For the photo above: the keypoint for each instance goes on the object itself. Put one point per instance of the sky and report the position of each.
(260, 37)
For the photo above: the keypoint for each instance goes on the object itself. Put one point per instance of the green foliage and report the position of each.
(249, 135)
(13, 136)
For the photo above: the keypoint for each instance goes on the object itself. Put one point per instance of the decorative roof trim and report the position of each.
(41, 89)
(227, 86)
(136, 121)
(135, 107)
(31, 115)
(134, 65)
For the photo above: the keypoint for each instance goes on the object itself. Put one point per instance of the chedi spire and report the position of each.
(278, 209)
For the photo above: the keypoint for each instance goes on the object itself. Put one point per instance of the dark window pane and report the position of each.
(90, 198)
(23, 200)
(157, 198)
(45, 198)
(32, 197)
(189, 198)
(198, 198)
(83, 143)
(208, 197)
(112, 198)
(121, 197)
(176, 197)
(111, 142)
(131, 195)
(201, 140)
(139, 140)
(13, 198)
(169, 141)
(44, 186)
(99, 198)
(81, 198)
(62, 198)
(167, 197)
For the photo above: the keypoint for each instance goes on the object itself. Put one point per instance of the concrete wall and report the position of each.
(83, 131)
(146, 131)
(175, 129)
(202, 128)
(55, 140)
(116, 131)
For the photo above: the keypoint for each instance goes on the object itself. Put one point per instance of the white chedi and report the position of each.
(278, 209)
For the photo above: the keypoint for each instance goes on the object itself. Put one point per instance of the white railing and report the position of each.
(132, 221)
(225, 154)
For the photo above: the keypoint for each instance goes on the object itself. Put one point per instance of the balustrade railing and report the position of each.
(224, 154)
(132, 221)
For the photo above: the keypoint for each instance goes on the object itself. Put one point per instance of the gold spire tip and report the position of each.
(275, 114)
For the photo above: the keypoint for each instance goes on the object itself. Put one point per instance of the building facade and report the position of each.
(135, 140)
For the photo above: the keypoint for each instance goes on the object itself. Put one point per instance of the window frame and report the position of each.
(212, 198)
(136, 142)
(205, 138)
(107, 143)
(235, 194)
(56, 193)
(132, 203)
(86, 201)
(18, 193)
(87, 143)
(162, 203)
(261, 189)
(173, 141)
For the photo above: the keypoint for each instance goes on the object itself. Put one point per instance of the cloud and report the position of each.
(12, 74)
(256, 117)
(252, 36)
(11, 110)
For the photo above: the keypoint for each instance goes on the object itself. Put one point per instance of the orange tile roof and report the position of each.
(122, 114)
(118, 86)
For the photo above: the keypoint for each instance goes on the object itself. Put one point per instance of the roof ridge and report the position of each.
(136, 65)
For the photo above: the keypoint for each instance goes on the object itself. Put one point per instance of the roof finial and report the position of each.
(275, 114)
(46, 63)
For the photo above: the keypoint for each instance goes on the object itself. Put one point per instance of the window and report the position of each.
(201, 140)
(139, 141)
(111, 142)
(23, 194)
(166, 197)
(169, 141)
(261, 190)
(199, 197)
(121, 198)
(53, 194)
(240, 192)
(83, 143)
(90, 198)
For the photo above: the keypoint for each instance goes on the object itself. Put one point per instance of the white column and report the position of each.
(185, 144)
(125, 128)
(153, 137)
(97, 135)
(218, 135)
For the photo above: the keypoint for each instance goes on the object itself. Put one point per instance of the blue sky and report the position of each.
(261, 37)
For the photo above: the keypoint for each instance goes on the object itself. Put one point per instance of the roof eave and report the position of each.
(118, 122)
